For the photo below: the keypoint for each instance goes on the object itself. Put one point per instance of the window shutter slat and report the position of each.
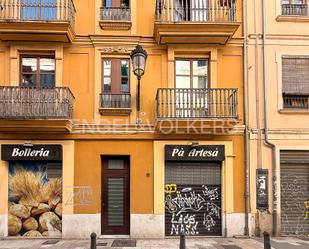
(295, 75)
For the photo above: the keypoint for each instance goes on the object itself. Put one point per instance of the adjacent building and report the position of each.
(80, 153)
(278, 102)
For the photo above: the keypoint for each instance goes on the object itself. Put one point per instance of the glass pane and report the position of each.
(182, 67)
(200, 67)
(115, 164)
(47, 80)
(29, 65)
(182, 82)
(125, 3)
(28, 80)
(124, 85)
(108, 3)
(199, 82)
(124, 67)
(47, 65)
(115, 201)
(107, 67)
(107, 85)
(39, 10)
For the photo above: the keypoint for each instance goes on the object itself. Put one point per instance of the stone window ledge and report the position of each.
(115, 25)
(294, 111)
(291, 18)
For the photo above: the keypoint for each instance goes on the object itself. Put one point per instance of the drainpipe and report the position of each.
(247, 170)
(267, 141)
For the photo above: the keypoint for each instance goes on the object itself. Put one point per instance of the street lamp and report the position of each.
(138, 57)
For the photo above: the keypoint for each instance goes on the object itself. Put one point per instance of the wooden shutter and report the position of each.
(116, 76)
(295, 76)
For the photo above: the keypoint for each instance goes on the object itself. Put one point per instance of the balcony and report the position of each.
(32, 20)
(115, 104)
(186, 109)
(195, 21)
(294, 9)
(115, 18)
(27, 109)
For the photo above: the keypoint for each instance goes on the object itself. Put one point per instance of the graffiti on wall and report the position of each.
(306, 203)
(294, 204)
(192, 210)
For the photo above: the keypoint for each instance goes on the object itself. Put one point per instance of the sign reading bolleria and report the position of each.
(18, 152)
(198, 153)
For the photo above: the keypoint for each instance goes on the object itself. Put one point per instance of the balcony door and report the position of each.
(191, 95)
(115, 83)
(37, 71)
(116, 3)
(38, 9)
(191, 10)
(115, 195)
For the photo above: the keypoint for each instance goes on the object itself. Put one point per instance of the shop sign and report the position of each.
(196, 153)
(19, 152)
(262, 189)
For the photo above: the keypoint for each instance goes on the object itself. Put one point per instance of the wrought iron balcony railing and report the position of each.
(35, 103)
(294, 9)
(115, 14)
(216, 103)
(115, 100)
(196, 10)
(296, 102)
(33, 10)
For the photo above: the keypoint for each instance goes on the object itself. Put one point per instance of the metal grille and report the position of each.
(192, 173)
(115, 100)
(294, 179)
(295, 9)
(296, 102)
(115, 14)
(115, 201)
(197, 103)
(54, 170)
(294, 156)
(196, 10)
(38, 10)
(192, 199)
(35, 103)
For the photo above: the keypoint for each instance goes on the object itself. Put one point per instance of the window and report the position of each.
(37, 71)
(39, 9)
(191, 73)
(191, 80)
(294, 7)
(227, 3)
(116, 76)
(295, 82)
(116, 3)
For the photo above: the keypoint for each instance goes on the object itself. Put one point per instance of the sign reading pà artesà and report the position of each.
(196, 153)
(19, 152)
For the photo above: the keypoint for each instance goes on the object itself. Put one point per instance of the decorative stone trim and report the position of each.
(115, 25)
(115, 111)
(115, 50)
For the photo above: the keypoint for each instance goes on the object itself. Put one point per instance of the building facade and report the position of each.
(77, 154)
(278, 115)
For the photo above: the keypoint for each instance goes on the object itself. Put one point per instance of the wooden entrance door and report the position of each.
(115, 195)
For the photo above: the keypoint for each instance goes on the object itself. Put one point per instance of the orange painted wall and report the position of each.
(78, 70)
(88, 172)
